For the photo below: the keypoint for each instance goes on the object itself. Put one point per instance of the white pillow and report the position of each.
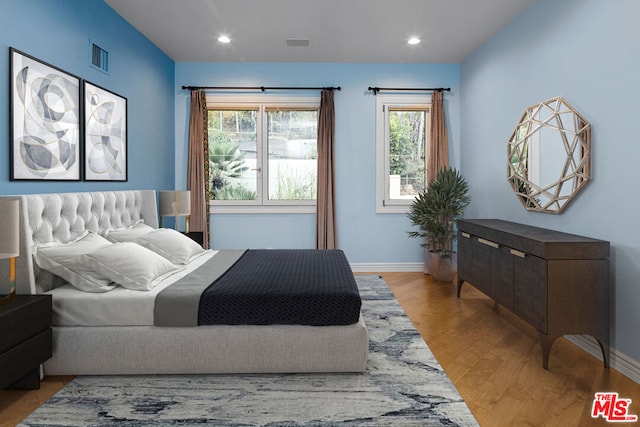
(65, 260)
(129, 234)
(171, 244)
(130, 265)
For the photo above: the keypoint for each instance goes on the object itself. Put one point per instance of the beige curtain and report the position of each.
(326, 235)
(198, 165)
(438, 152)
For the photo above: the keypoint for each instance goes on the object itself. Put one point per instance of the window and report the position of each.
(263, 153)
(402, 129)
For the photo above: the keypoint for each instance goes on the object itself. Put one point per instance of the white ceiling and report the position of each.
(366, 31)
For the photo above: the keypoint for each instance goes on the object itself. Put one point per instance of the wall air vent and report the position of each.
(297, 42)
(99, 57)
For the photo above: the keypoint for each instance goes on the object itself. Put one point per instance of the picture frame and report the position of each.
(105, 134)
(45, 121)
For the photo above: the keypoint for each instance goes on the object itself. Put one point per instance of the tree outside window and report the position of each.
(407, 151)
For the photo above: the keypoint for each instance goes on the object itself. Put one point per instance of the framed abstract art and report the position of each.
(105, 134)
(45, 120)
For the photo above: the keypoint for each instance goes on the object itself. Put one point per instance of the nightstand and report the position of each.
(25, 340)
(196, 236)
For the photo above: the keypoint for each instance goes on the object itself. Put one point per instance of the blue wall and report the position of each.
(587, 52)
(58, 32)
(366, 237)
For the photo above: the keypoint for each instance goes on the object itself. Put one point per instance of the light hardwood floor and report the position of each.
(495, 361)
(492, 357)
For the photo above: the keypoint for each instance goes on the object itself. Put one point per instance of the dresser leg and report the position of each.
(460, 282)
(605, 352)
(547, 342)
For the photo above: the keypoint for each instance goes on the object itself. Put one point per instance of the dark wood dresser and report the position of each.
(25, 340)
(556, 282)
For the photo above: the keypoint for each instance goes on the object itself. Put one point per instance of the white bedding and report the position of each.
(118, 307)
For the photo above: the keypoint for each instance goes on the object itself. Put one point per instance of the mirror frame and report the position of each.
(550, 197)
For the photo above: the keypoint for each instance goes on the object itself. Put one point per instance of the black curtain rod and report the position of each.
(261, 88)
(375, 90)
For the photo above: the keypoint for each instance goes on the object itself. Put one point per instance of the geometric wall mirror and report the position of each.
(549, 156)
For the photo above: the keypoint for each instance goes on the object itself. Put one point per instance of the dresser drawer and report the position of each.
(25, 357)
(25, 339)
(23, 317)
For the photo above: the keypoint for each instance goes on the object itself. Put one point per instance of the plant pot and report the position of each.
(443, 269)
(427, 261)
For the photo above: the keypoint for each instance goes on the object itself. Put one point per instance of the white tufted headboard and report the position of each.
(61, 217)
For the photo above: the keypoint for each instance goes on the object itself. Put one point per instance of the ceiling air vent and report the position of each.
(297, 42)
(99, 57)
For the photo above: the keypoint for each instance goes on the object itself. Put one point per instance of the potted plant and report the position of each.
(435, 211)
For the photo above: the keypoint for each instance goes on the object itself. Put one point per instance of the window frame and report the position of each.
(385, 102)
(262, 103)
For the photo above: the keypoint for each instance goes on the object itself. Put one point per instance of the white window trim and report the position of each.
(262, 204)
(383, 102)
(217, 208)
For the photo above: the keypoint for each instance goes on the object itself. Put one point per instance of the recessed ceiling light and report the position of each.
(224, 39)
(414, 40)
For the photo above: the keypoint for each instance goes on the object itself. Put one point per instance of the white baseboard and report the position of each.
(617, 360)
(390, 267)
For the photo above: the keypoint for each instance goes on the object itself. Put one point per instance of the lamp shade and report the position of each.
(9, 231)
(175, 203)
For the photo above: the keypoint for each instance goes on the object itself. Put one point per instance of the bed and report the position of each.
(92, 337)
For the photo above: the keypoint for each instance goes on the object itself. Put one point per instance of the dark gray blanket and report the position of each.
(264, 287)
(284, 287)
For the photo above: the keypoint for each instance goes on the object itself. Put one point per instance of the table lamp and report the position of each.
(176, 203)
(10, 238)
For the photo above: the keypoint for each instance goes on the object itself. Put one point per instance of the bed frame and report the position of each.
(111, 350)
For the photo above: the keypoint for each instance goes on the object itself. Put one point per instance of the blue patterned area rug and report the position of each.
(404, 386)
